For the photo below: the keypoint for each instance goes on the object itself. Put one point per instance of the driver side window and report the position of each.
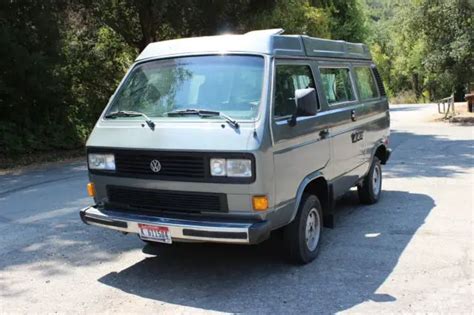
(289, 78)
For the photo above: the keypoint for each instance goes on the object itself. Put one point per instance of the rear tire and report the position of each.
(371, 187)
(303, 235)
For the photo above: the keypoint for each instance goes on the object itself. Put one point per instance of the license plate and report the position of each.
(155, 233)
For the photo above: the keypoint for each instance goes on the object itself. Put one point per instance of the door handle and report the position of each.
(353, 115)
(324, 133)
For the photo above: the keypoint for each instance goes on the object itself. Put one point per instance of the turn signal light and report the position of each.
(260, 203)
(91, 189)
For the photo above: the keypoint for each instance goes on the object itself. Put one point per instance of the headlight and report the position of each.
(218, 167)
(239, 168)
(101, 162)
(231, 167)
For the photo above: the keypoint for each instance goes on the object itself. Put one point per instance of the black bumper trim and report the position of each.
(88, 220)
(259, 232)
(231, 235)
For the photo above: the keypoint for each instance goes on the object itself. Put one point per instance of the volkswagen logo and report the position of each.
(155, 166)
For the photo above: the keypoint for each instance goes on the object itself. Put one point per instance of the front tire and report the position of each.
(371, 187)
(303, 234)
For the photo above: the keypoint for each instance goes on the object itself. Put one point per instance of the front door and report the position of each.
(301, 149)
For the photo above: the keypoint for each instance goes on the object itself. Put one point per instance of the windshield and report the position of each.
(229, 84)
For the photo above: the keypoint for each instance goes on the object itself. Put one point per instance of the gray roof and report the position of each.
(270, 42)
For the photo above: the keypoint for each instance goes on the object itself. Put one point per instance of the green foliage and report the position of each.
(140, 22)
(423, 46)
(404, 97)
(33, 90)
(296, 17)
(96, 59)
(348, 20)
(384, 63)
(449, 61)
(61, 60)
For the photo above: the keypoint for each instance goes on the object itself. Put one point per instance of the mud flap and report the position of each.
(328, 218)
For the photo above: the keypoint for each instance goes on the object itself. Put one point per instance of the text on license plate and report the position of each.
(155, 233)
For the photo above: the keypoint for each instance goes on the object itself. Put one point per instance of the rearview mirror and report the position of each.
(306, 104)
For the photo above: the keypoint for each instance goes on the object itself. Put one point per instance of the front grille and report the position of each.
(165, 200)
(172, 164)
(190, 166)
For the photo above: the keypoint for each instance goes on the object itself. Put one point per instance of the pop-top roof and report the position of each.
(270, 42)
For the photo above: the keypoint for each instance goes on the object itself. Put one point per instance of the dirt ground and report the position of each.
(461, 115)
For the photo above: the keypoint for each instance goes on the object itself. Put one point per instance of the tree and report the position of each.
(295, 17)
(423, 46)
(61, 60)
(33, 91)
(347, 21)
(141, 22)
(449, 36)
(96, 59)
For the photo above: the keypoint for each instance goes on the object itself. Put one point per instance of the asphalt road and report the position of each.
(411, 252)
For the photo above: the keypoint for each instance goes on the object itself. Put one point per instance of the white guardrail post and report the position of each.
(449, 101)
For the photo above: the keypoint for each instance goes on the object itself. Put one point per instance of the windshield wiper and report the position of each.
(130, 113)
(204, 113)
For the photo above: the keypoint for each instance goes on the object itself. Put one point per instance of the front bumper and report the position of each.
(181, 229)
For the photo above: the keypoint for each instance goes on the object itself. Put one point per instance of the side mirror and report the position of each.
(306, 104)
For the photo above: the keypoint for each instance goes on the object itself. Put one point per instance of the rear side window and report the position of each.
(288, 79)
(337, 85)
(366, 83)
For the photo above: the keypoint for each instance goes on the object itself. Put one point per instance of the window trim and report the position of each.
(378, 81)
(370, 67)
(279, 120)
(356, 96)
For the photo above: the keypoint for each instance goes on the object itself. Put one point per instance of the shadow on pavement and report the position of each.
(450, 158)
(40, 226)
(355, 259)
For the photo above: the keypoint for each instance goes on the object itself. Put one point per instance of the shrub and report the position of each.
(404, 97)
